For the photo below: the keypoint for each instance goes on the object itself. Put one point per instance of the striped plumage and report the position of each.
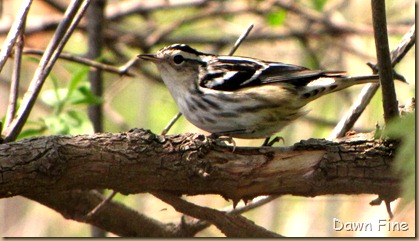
(239, 96)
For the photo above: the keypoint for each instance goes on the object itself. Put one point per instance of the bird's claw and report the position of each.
(221, 140)
(276, 139)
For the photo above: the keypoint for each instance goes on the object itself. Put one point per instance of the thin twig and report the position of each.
(352, 115)
(171, 123)
(14, 32)
(73, 24)
(56, 5)
(200, 225)
(240, 39)
(405, 45)
(388, 208)
(162, 33)
(263, 36)
(126, 8)
(120, 9)
(314, 16)
(100, 206)
(385, 72)
(124, 69)
(65, 28)
(14, 86)
(81, 60)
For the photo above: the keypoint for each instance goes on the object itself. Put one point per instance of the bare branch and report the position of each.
(122, 9)
(405, 45)
(240, 39)
(123, 70)
(56, 5)
(95, 38)
(352, 115)
(384, 62)
(171, 123)
(199, 225)
(113, 217)
(66, 27)
(14, 86)
(14, 32)
(100, 206)
(140, 161)
(163, 32)
(231, 225)
(95, 26)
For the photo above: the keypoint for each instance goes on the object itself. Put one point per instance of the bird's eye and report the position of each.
(178, 59)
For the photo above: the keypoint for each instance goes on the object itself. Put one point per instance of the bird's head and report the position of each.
(178, 64)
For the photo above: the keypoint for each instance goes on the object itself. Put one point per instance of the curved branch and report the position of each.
(231, 225)
(114, 217)
(140, 161)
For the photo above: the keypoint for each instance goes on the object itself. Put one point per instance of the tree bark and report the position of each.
(140, 161)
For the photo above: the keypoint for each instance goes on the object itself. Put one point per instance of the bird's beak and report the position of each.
(151, 57)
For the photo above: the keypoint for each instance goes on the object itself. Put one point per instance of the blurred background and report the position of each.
(319, 34)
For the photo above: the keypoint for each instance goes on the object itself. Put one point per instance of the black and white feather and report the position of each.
(230, 73)
(240, 96)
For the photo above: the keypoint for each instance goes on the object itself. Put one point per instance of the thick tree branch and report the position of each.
(114, 217)
(140, 161)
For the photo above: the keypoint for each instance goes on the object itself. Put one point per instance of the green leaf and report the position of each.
(56, 87)
(276, 18)
(404, 128)
(53, 97)
(69, 122)
(75, 117)
(31, 132)
(38, 128)
(32, 59)
(75, 80)
(57, 124)
(87, 97)
(318, 4)
(78, 121)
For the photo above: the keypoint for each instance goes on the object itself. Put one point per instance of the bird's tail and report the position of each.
(330, 84)
(361, 79)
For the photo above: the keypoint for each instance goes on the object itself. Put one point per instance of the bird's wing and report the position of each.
(295, 75)
(232, 73)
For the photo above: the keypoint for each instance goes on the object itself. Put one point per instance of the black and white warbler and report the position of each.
(240, 96)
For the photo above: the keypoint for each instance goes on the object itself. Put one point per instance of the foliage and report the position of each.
(276, 18)
(67, 116)
(405, 164)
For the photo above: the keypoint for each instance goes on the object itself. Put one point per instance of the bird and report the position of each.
(242, 97)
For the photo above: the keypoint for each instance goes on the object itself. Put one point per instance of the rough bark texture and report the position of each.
(140, 161)
(113, 217)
